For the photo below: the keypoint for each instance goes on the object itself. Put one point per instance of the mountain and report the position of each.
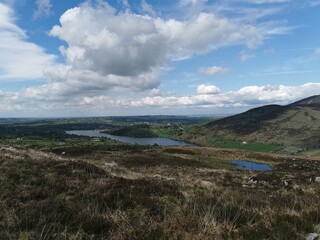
(296, 124)
(313, 101)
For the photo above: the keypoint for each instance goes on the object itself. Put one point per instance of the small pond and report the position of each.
(248, 165)
(131, 140)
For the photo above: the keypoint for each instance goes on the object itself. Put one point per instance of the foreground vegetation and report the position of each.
(58, 186)
(154, 193)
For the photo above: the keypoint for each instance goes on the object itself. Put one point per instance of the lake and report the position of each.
(248, 165)
(130, 140)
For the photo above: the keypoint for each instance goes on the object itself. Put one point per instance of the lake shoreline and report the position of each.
(131, 140)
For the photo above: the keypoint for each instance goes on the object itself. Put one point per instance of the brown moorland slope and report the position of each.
(155, 193)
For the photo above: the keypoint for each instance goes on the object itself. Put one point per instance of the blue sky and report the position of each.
(135, 57)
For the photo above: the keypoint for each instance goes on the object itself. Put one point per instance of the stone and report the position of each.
(317, 179)
(286, 183)
(312, 236)
(252, 181)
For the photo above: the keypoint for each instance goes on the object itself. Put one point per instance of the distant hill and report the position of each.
(136, 130)
(296, 124)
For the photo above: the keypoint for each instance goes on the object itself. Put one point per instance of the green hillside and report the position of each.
(296, 125)
(136, 130)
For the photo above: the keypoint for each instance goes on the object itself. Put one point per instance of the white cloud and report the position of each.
(317, 51)
(250, 96)
(43, 9)
(249, 10)
(214, 70)
(125, 44)
(69, 81)
(19, 58)
(245, 56)
(277, 28)
(244, 98)
(147, 8)
(108, 51)
(106, 45)
(255, 13)
(125, 3)
(207, 89)
(129, 44)
(155, 92)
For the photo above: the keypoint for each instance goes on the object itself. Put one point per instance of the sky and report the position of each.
(152, 57)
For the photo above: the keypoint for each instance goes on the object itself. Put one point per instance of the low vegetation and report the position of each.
(154, 193)
(58, 186)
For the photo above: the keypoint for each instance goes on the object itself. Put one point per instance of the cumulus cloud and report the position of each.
(207, 89)
(118, 50)
(81, 80)
(43, 9)
(214, 70)
(250, 96)
(19, 58)
(246, 97)
(129, 44)
(107, 49)
(155, 92)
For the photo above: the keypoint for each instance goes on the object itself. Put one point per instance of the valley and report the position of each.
(56, 185)
(159, 120)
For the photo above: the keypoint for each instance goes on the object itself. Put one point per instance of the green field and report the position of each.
(169, 131)
(254, 146)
